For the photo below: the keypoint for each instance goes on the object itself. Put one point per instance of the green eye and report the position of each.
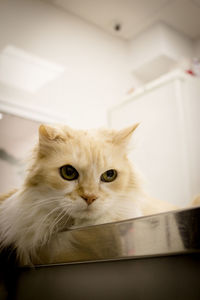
(68, 172)
(109, 175)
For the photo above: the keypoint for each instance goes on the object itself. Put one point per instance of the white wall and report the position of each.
(96, 75)
(166, 145)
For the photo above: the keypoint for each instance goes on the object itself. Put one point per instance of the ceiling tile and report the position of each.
(25, 71)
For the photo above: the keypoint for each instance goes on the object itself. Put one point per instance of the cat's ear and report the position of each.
(49, 136)
(49, 133)
(123, 136)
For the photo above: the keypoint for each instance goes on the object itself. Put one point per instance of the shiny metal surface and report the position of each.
(162, 234)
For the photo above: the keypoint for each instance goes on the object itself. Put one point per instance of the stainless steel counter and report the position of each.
(168, 248)
(157, 235)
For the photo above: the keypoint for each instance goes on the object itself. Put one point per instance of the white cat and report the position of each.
(76, 178)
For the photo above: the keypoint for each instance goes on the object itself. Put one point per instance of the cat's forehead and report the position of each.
(87, 148)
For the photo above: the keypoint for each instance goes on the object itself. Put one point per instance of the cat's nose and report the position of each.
(89, 198)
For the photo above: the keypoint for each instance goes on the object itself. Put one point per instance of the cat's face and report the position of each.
(87, 172)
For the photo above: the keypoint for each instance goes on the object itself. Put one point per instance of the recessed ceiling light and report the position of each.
(25, 71)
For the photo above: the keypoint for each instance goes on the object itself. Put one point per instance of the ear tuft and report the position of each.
(49, 133)
(43, 131)
(123, 136)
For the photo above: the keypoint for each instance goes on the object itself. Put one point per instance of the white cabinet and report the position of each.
(167, 143)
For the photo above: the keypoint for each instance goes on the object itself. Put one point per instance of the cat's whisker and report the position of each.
(41, 204)
(58, 219)
(62, 212)
(43, 226)
(42, 222)
(68, 212)
(33, 210)
(69, 216)
(47, 217)
(45, 201)
(50, 200)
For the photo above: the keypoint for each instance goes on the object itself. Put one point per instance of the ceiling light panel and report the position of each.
(25, 71)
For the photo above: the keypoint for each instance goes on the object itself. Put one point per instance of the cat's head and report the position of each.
(87, 172)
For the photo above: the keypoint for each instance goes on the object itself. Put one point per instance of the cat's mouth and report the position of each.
(85, 212)
(89, 209)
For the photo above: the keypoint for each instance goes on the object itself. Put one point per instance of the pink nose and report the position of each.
(89, 198)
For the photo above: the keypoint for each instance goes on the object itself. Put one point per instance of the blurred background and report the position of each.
(109, 63)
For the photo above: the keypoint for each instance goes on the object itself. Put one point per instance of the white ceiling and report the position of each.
(136, 15)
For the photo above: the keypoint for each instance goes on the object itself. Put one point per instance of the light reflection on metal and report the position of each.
(162, 234)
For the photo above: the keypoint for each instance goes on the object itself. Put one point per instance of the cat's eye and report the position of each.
(68, 172)
(109, 175)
